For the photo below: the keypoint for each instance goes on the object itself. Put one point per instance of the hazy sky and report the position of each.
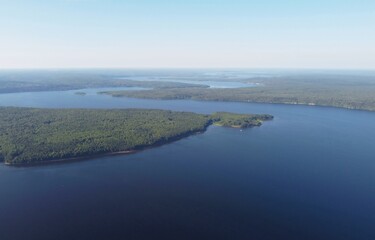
(187, 33)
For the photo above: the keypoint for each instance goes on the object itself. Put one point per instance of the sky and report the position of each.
(187, 34)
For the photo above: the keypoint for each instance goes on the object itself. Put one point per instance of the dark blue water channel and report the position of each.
(308, 174)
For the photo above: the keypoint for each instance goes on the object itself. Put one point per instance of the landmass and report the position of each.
(80, 93)
(12, 81)
(232, 120)
(343, 89)
(32, 136)
(340, 91)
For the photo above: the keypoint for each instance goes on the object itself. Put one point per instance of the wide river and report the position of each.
(308, 174)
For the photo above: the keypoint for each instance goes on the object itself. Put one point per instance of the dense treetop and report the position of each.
(226, 119)
(353, 90)
(30, 135)
(351, 96)
(344, 90)
(34, 135)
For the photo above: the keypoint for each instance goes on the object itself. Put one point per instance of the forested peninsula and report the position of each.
(342, 95)
(30, 135)
(351, 90)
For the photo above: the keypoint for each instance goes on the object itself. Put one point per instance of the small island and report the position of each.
(80, 93)
(233, 120)
(34, 136)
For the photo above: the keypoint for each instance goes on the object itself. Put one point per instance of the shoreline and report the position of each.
(73, 159)
(306, 104)
(109, 154)
(157, 142)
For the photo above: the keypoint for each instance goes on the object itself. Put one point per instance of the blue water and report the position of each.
(308, 174)
(209, 83)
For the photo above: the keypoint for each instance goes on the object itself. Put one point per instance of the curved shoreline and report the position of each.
(224, 119)
(109, 154)
(205, 97)
(73, 159)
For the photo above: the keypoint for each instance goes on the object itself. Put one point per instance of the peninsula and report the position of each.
(30, 135)
(343, 89)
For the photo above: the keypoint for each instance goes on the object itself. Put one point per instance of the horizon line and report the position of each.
(187, 68)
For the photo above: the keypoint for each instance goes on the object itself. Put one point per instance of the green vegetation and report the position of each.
(343, 92)
(226, 119)
(36, 135)
(345, 89)
(30, 135)
(60, 80)
(352, 90)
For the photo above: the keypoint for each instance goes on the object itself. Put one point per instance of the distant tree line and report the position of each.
(331, 92)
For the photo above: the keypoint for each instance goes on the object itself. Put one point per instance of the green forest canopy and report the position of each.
(29, 135)
(345, 89)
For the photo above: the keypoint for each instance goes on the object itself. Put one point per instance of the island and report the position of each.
(232, 120)
(80, 93)
(34, 136)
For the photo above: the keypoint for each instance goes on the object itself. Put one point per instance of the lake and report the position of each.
(308, 174)
(209, 83)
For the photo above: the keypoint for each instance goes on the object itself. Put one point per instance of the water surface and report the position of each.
(308, 174)
(210, 83)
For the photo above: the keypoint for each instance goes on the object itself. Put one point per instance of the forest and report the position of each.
(226, 119)
(349, 92)
(12, 81)
(30, 135)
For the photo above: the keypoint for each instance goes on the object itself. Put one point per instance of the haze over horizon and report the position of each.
(187, 34)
